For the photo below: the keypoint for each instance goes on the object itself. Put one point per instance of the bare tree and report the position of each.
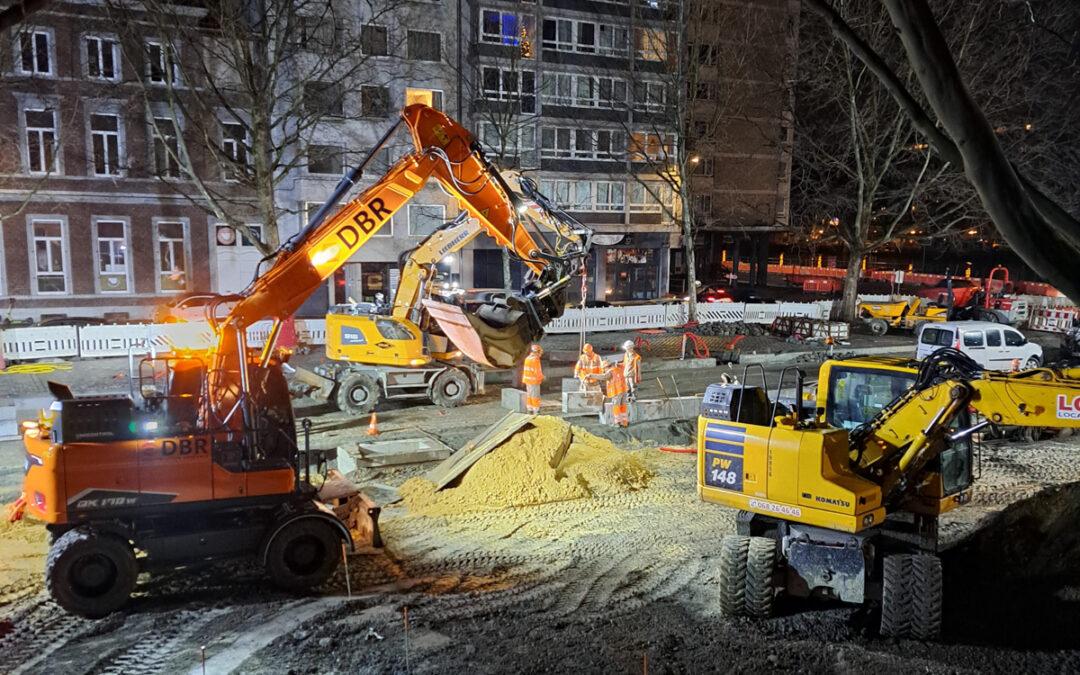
(1037, 227)
(237, 91)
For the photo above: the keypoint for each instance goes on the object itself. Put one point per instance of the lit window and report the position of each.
(507, 28)
(429, 97)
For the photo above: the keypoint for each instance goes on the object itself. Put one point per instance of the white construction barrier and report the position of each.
(41, 342)
(1053, 320)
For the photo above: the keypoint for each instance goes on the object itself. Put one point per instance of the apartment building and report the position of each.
(88, 228)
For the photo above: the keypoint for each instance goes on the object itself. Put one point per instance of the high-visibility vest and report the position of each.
(588, 364)
(632, 367)
(617, 384)
(532, 372)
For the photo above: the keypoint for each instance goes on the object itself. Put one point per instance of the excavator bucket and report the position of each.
(498, 337)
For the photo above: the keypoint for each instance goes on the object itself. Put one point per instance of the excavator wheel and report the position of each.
(734, 551)
(878, 326)
(911, 601)
(303, 555)
(450, 388)
(89, 573)
(760, 570)
(357, 394)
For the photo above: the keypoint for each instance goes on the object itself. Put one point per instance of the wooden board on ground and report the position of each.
(470, 453)
(403, 451)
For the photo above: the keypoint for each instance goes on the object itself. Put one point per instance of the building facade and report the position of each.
(571, 93)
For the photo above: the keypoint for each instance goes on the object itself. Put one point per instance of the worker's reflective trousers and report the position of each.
(620, 411)
(532, 398)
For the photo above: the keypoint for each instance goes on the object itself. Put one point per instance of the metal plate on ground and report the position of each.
(484, 442)
(402, 451)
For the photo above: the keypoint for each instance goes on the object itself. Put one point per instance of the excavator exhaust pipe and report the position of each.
(498, 334)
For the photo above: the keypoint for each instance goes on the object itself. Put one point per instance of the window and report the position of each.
(374, 101)
(429, 97)
(703, 167)
(610, 196)
(506, 28)
(374, 40)
(582, 143)
(856, 396)
(326, 159)
(651, 96)
(50, 256)
(162, 66)
(939, 337)
(112, 256)
(105, 143)
(172, 257)
(41, 140)
(423, 46)
(166, 148)
(651, 197)
(35, 52)
(425, 219)
(567, 35)
(648, 146)
(102, 58)
(973, 339)
(319, 33)
(703, 206)
(510, 85)
(509, 142)
(650, 44)
(234, 143)
(256, 231)
(707, 54)
(993, 338)
(583, 90)
(322, 98)
(705, 91)
(1014, 339)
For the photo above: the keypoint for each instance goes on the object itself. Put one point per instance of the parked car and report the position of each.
(715, 294)
(992, 345)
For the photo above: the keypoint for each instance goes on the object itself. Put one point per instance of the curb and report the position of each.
(791, 357)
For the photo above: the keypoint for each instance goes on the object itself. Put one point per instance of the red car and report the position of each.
(715, 294)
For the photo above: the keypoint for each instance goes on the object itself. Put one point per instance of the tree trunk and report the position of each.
(848, 310)
(691, 271)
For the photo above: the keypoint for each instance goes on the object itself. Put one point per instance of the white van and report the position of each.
(992, 345)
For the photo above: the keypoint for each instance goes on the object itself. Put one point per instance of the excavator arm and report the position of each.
(443, 149)
(892, 448)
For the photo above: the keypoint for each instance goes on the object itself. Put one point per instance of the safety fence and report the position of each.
(1053, 319)
(672, 315)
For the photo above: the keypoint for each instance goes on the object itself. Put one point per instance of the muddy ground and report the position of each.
(607, 584)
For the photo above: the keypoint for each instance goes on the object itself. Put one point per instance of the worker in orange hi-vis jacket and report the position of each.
(588, 369)
(631, 365)
(532, 376)
(616, 393)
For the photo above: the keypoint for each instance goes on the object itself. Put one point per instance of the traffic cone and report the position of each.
(373, 425)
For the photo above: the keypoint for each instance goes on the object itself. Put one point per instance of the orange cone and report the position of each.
(373, 425)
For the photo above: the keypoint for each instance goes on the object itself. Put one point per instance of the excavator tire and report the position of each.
(357, 394)
(760, 569)
(896, 596)
(734, 550)
(878, 326)
(450, 388)
(303, 555)
(89, 573)
(926, 596)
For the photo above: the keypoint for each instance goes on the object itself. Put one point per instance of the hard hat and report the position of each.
(536, 349)
(629, 344)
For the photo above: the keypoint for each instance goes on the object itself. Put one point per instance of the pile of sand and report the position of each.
(23, 546)
(519, 472)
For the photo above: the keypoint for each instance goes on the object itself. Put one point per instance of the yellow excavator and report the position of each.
(405, 353)
(842, 502)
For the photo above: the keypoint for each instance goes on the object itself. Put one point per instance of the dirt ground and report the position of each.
(609, 583)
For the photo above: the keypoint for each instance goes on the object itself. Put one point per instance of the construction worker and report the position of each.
(616, 393)
(631, 366)
(532, 376)
(588, 369)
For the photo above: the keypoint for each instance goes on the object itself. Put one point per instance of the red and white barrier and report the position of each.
(1053, 320)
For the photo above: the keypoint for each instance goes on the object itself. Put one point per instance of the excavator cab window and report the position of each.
(856, 395)
(173, 391)
(392, 330)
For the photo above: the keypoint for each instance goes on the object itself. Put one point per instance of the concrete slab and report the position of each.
(645, 410)
(401, 451)
(581, 403)
(569, 384)
(513, 400)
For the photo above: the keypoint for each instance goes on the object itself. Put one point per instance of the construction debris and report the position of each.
(729, 328)
(526, 470)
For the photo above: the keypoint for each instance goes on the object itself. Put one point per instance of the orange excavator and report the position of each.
(209, 464)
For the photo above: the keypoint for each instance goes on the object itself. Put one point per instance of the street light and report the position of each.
(694, 159)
